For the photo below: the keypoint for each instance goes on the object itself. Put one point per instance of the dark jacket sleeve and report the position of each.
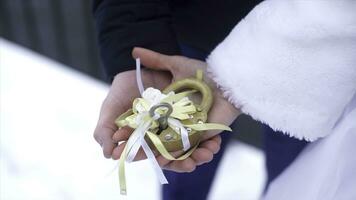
(124, 24)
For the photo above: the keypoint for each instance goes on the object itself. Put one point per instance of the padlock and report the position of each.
(171, 140)
(154, 116)
(169, 137)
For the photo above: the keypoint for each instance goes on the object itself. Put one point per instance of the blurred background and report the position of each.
(52, 85)
(61, 30)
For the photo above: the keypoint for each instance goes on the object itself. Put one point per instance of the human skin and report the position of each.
(160, 71)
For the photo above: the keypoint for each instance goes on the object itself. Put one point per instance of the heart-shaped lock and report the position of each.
(167, 122)
(169, 137)
(172, 139)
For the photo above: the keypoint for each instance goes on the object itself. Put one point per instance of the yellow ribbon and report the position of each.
(136, 117)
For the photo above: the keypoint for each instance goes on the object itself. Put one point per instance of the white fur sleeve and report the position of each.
(291, 64)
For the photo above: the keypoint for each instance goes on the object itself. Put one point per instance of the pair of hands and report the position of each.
(161, 70)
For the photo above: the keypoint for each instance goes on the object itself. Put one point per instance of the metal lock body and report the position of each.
(169, 137)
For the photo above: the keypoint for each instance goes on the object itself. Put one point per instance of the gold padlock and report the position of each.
(170, 139)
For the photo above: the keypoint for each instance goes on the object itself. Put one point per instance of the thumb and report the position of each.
(152, 59)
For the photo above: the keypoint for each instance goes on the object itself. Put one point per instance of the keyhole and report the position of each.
(163, 118)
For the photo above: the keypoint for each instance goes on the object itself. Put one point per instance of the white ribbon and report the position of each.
(137, 138)
(151, 157)
(138, 76)
(182, 131)
(134, 143)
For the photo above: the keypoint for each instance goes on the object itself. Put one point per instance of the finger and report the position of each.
(118, 151)
(151, 59)
(163, 162)
(108, 147)
(211, 145)
(102, 135)
(202, 155)
(181, 166)
(105, 129)
(122, 134)
(221, 106)
(120, 148)
(217, 139)
(141, 155)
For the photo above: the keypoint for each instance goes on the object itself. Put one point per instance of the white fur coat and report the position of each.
(292, 65)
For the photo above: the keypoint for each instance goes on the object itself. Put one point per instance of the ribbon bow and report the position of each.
(144, 123)
(146, 116)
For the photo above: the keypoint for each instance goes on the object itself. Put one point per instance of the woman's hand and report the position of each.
(222, 111)
(122, 92)
(204, 153)
(162, 71)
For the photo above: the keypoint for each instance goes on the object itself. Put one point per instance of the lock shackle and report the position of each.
(160, 105)
(195, 84)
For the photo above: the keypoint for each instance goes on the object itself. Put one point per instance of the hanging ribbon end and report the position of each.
(123, 192)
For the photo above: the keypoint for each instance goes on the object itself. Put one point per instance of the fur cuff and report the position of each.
(289, 68)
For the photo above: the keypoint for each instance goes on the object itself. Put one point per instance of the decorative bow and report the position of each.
(144, 123)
